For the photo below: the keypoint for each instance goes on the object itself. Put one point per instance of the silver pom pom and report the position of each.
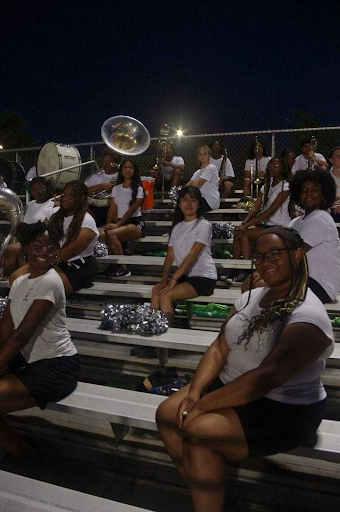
(3, 303)
(223, 230)
(173, 194)
(100, 250)
(134, 318)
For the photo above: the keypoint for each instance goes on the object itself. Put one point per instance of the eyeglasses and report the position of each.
(39, 248)
(271, 255)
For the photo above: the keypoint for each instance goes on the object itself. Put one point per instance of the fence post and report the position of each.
(273, 144)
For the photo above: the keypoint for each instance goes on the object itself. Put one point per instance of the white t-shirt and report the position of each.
(228, 170)
(304, 388)
(52, 338)
(337, 182)
(318, 230)
(301, 163)
(209, 189)
(38, 211)
(122, 197)
(183, 237)
(281, 216)
(31, 173)
(100, 177)
(262, 164)
(168, 171)
(89, 223)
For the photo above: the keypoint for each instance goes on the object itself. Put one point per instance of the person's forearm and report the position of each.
(112, 216)
(128, 214)
(208, 369)
(246, 388)
(167, 268)
(187, 263)
(11, 346)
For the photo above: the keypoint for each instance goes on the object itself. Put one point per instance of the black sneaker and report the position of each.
(119, 273)
(240, 277)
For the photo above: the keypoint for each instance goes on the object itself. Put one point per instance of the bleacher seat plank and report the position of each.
(159, 260)
(21, 494)
(179, 339)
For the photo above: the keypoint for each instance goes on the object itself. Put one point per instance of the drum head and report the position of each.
(13, 174)
(53, 157)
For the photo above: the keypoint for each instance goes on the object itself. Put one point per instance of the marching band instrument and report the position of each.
(247, 202)
(60, 162)
(13, 174)
(14, 208)
(223, 164)
(161, 151)
(310, 162)
(125, 135)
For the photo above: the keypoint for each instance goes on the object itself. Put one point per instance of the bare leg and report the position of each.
(115, 237)
(14, 396)
(209, 439)
(180, 291)
(176, 178)
(226, 189)
(250, 236)
(246, 183)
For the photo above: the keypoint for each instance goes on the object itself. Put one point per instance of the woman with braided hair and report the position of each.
(270, 208)
(76, 264)
(257, 390)
(38, 361)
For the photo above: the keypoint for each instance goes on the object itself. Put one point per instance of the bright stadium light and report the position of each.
(1, 147)
(179, 133)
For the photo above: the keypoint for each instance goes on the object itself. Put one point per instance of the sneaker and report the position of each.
(240, 277)
(119, 273)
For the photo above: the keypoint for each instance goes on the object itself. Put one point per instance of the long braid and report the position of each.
(277, 313)
(81, 197)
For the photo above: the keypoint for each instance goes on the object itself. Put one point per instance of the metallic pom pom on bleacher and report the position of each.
(3, 303)
(133, 318)
(173, 194)
(223, 230)
(100, 250)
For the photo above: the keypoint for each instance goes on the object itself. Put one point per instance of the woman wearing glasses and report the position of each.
(257, 390)
(38, 361)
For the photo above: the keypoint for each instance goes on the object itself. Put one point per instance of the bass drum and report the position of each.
(13, 175)
(53, 157)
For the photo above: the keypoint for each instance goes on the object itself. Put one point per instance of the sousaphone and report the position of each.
(126, 136)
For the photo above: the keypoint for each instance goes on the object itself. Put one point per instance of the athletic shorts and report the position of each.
(80, 272)
(202, 285)
(274, 427)
(47, 380)
(136, 221)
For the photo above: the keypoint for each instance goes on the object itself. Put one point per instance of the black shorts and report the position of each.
(202, 285)
(47, 380)
(205, 205)
(159, 184)
(136, 221)
(80, 272)
(274, 427)
(100, 214)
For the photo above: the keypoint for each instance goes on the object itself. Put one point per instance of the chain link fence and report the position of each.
(238, 145)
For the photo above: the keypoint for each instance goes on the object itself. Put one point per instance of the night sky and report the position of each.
(206, 67)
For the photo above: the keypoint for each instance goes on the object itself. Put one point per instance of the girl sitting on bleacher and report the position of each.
(270, 208)
(189, 249)
(124, 219)
(38, 361)
(76, 264)
(206, 179)
(257, 390)
(38, 209)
